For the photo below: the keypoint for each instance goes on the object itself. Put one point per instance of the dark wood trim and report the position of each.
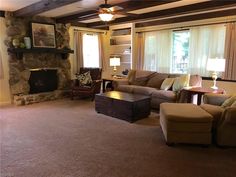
(2, 13)
(19, 51)
(127, 6)
(42, 6)
(218, 79)
(199, 7)
(208, 15)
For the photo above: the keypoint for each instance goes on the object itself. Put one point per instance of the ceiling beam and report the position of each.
(199, 7)
(42, 6)
(127, 6)
(75, 17)
(207, 15)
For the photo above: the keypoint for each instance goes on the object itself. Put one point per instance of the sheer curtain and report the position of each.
(205, 42)
(157, 52)
(230, 52)
(78, 52)
(140, 51)
(1, 66)
(102, 60)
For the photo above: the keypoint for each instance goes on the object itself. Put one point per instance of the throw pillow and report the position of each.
(167, 83)
(234, 104)
(228, 102)
(180, 82)
(85, 78)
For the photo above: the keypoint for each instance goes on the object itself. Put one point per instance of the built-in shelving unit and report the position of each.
(19, 51)
(121, 45)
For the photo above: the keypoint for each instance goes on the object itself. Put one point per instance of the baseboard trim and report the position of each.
(6, 103)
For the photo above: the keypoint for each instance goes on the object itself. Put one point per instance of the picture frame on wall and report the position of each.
(43, 35)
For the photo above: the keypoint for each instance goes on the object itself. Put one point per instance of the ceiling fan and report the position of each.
(107, 11)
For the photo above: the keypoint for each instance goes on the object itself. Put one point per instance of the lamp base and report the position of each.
(214, 87)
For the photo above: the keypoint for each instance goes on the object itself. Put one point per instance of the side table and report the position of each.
(199, 91)
(110, 80)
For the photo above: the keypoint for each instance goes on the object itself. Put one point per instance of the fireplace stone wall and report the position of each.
(19, 70)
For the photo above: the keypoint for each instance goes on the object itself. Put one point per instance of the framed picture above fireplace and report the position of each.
(43, 35)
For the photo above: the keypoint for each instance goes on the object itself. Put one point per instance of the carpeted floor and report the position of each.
(67, 138)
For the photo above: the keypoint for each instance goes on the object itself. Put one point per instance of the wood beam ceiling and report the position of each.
(203, 16)
(42, 6)
(127, 6)
(193, 8)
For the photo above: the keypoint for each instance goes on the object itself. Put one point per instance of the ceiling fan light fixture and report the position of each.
(106, 16)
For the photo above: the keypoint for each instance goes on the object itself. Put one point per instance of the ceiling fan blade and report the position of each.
(125, 13)
(88, 15)
(115, 8)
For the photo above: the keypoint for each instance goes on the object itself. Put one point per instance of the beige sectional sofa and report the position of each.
(224, 119)
(149, 83)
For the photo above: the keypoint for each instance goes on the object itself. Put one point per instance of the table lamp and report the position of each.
(215, 65)
(114, 61)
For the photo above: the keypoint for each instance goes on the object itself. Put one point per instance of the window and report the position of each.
(90, 50)
(185, 51)
(180, 52)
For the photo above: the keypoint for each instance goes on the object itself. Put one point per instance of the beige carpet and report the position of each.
(67, 138)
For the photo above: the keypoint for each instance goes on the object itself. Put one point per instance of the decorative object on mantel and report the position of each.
(27, 42)
(16, 42)
(215, 65)
(43, 35)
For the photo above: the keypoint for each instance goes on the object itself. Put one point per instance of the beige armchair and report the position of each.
(224, 119)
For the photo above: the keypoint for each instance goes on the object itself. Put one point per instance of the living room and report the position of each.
(141, 47)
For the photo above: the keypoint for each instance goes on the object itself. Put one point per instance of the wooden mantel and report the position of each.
(19, 51)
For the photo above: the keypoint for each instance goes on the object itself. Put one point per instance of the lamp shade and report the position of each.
(114, 61)
(106, 16)
(216, 64)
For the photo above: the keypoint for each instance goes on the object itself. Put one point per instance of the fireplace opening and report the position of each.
(43, 80)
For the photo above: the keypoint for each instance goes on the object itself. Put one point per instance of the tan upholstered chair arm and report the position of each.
(215, 99)
(229, 115)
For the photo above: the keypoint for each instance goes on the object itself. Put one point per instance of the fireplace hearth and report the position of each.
(43, 80)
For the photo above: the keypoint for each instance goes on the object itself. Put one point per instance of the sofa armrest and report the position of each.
(118, 82)
(215, 99)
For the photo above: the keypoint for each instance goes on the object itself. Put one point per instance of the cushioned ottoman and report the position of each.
(185, 123)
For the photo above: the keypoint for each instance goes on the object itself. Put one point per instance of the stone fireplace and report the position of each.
(21, 71)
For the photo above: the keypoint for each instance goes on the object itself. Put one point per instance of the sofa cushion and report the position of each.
(131, 76)
(167, 83)
(167, 95)
(141, 77)
(195, 80)
(156, 80)
(143, 90)
(215, 111)
(174, 75)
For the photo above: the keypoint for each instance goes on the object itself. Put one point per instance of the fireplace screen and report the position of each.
(43, 80)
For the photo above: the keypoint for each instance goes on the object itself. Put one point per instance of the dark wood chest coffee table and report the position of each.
(125, 106)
